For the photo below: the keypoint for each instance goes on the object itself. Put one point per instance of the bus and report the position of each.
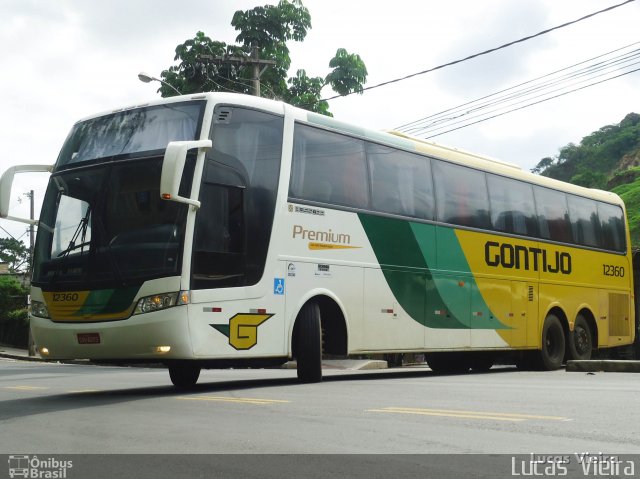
(224, 230)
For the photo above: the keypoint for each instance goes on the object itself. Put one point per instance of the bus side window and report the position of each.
(400, 182)
(461, 195)
(584, 221)
(329, 168)
(512, 206)
(553, 215)
(612, 225)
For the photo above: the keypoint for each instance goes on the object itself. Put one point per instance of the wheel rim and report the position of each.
(581, 340)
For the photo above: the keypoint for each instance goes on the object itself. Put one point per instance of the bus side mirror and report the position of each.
(173, 167)
(5, 188)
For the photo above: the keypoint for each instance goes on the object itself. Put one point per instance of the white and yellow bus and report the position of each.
(219, 230)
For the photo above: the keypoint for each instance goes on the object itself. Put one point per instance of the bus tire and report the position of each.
(552, 352)
(308, 342)
(580, 340)
(184, 375)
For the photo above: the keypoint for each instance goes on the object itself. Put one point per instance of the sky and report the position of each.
(63, 60)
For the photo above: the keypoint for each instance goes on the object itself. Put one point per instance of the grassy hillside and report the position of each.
(630, 194)
(607, 159)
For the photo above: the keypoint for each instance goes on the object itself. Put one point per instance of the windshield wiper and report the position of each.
(81, 230)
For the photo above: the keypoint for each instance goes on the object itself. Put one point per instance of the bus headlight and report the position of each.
(148, 304)
(39, 309)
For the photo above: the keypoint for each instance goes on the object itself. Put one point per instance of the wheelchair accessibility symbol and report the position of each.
(278, 285)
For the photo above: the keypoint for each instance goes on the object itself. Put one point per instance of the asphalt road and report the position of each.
(84, 409)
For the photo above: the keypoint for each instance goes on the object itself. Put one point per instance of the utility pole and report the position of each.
(32, 346)
(253, 61)
(31, 228)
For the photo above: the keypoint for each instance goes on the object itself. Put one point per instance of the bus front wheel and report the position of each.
(308, 344)
(553, 344)
(580, 340)
(183, 374)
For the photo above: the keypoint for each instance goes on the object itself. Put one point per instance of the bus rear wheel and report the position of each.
(580, 340)
(184, 374)
(308, 344)
(553, 344)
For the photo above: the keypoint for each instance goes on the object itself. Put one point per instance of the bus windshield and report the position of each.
(103, 223)
(107, 226)
(131, 132)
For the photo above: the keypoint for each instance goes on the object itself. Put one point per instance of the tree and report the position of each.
(15, 253)
(543, 165)
(14, 323)
(208, 65)
(590, 179)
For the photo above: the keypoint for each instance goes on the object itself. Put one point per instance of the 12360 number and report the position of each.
(65, 297)
(611, 270)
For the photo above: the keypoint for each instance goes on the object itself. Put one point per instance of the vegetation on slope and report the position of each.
(607, 159)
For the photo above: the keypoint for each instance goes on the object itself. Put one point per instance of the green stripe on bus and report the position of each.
(406, 252)
(108, 301)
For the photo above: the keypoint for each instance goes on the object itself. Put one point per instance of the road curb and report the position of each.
(21, 357)
(345, 364)
(604, 365)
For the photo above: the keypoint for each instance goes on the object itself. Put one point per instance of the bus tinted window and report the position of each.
(512, 206)
(400, 182)
(553, 216)
(461, 195)
(329, 168)
(131, 132)
(584, 221)
(612, 224)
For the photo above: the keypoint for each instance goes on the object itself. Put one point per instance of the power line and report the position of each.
(486, 52)
(442, 123)
(535, 103)
(1, 228)
(532, 90)
(468, 106)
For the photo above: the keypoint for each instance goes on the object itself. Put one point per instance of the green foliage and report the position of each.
(623, 178)
(16, 253)
(605, 159)
(543, 165)
(349, 72)
(599, 152)
(305, 92)
(14, 326)
(630, 194)
(14, 329)
(193, 75)
(272, 26)
(590, 179)
(208, 65)
(12, 294)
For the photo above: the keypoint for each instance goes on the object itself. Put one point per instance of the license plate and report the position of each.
(89, 338)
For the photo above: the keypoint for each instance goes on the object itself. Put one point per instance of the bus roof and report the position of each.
(390, 138)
